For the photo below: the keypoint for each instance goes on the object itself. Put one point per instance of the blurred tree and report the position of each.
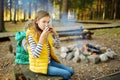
(35, 5)
(6, 9)
(79, 9)
(29, 9)
(2, 16)
(112, 9)
(117, 9)
(64, 10)
(43, 5)
(91, 9)
(15, 11)
(10, 10)
(24, 9)
(80, 6)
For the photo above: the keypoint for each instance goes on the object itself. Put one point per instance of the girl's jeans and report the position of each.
(57, 69)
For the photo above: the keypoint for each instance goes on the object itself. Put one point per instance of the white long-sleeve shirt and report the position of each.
(37, 48)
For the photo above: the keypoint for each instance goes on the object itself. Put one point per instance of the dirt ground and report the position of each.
(83, 70)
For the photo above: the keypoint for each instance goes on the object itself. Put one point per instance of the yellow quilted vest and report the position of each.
(40, 65)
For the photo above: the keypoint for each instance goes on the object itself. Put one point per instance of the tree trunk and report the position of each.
(15, 10)
(6, 10)
(64, 11)
(29, 10)
(10, 10)
(2, 16)
(107, 13)
(24, 14)
(118, 9)
(91, 12)
(115, 10)
(24, 9)
(103, 14)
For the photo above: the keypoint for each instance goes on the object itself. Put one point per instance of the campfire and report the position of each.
(84, 52)
(88, 53)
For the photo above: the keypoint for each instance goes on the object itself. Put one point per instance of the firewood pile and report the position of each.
(83, 33)
(87, 53)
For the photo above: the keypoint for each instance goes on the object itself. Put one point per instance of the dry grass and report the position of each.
(11, 27)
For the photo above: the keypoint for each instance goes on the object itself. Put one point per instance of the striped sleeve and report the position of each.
(56, 42)
(35, 48)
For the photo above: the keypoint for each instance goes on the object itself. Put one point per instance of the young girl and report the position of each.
(42, 58)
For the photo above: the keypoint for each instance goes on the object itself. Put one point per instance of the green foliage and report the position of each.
(79, 4)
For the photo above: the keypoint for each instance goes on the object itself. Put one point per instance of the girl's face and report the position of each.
(43, 22)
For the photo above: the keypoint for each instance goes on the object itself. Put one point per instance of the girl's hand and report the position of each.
(44, 35)
(52, 30)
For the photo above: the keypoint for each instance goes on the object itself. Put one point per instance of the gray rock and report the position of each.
(56, 41)
(70, 56)
(94, 59)
(63, 55)
(110, 53)
(64, 49)
(76, 55)
(70, 48)
(103, 57)
(82, 57)
(76, 59)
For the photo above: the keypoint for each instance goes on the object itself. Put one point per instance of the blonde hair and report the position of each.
(28, 24)
(40, 14)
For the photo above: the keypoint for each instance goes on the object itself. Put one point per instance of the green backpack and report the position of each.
(22, 56)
